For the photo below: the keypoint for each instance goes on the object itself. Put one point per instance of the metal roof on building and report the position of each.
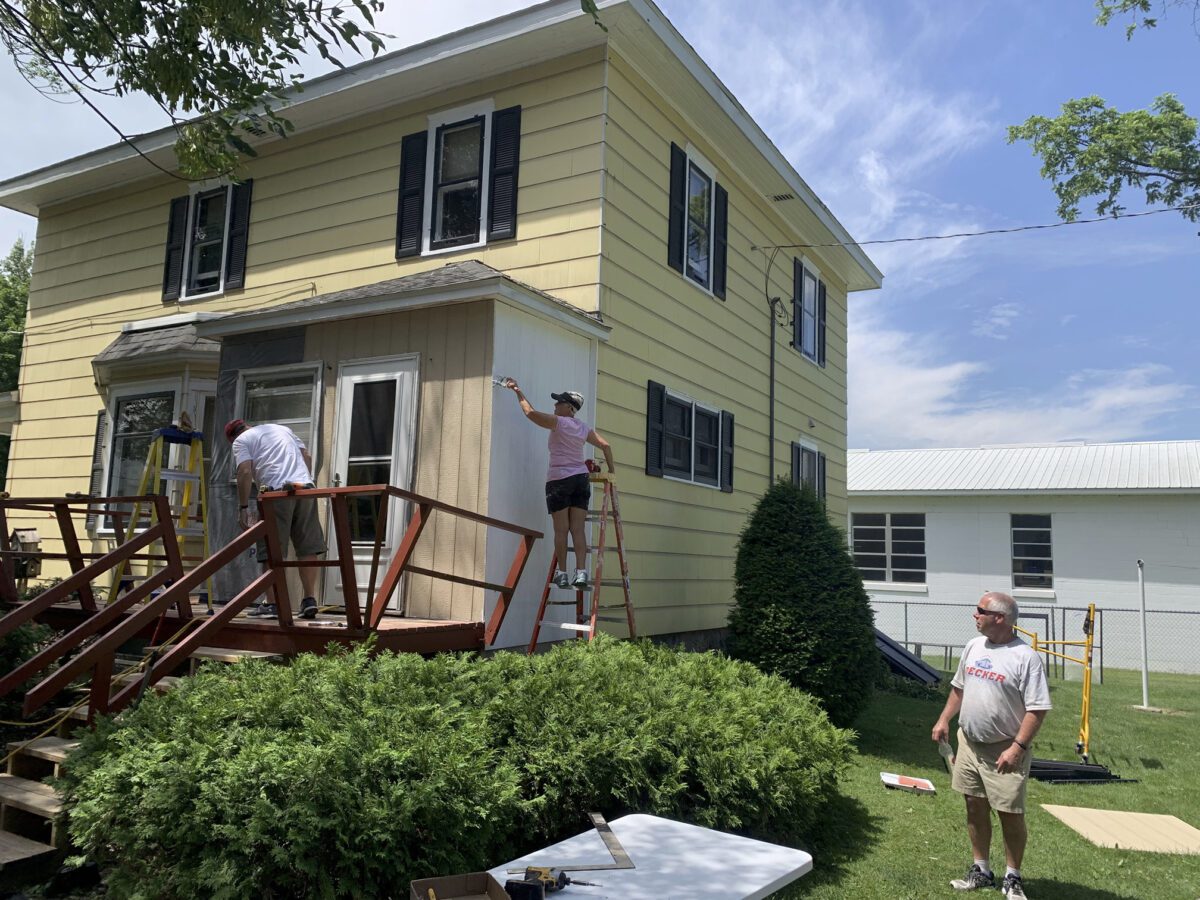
(1054, 468)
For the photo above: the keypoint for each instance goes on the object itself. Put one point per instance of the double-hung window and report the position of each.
(207, 237)
(808, 312)
(458, 180)
(687, 439)
(285, 396)
(1032, 557)
(808, 468)
(889, 546)
(697, 243)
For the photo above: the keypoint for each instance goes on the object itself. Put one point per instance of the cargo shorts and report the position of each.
(296, 518)
(975, 775)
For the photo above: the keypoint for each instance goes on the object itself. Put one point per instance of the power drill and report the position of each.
(551, 879)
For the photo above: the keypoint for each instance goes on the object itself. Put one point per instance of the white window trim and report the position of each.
(115, 394)
(694, 157)
(318, 370)
(812, 269)
(684, 398)
(483, 108)
(195, 189)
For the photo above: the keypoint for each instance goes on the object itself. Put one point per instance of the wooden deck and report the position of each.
(398, 634)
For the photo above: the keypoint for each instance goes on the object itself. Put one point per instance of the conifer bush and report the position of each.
(347, 775)
(800, 610)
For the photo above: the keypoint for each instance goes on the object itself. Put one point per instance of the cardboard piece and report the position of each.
(1129, 830)
(472, 886)
(907, 783)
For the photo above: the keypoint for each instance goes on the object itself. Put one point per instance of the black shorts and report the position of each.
(574, 490)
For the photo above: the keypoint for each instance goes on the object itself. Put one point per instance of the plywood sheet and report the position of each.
(1129, 830)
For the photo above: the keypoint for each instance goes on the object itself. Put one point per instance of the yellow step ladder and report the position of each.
(587, 615)
(185, 488)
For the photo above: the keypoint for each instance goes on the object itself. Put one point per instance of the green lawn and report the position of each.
(893, 844)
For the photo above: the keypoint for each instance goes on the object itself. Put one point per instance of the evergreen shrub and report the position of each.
(347, 775)
(800, 610)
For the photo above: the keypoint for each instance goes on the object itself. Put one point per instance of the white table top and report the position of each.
(673, 861)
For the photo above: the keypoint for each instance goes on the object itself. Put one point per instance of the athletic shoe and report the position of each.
(263, 611)
(1012, 888)
(308, 608)
(975, 879)
(580, 582)
(562, 580)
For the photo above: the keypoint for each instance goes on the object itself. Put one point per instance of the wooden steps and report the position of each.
(226, 655)
(35, 797)
(51, 749)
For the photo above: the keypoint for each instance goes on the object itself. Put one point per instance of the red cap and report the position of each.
(232, 429)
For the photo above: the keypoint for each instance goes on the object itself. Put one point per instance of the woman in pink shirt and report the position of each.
(568, 492)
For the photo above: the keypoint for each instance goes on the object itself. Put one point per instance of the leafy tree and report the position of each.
(15, 270)
(1093, 150)
(800, 610)
(217, 69)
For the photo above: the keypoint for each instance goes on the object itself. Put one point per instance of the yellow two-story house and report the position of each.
(534, 197)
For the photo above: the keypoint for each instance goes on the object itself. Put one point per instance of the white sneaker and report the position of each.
(560, 579)
(580, 581)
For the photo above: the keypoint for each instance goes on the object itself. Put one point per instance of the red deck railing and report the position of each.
(112, 625)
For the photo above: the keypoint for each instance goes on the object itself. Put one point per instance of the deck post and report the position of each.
(340, 511)
(524, 550)
(66, 526)
(278, 588)
(399, 562)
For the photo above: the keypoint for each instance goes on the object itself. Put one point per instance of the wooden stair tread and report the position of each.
(54, 749)
(225, 654)
(31, 796)
(14, 848)
(165, 683)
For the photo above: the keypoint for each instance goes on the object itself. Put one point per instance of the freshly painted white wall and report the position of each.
(544, 358)
(1097, 540)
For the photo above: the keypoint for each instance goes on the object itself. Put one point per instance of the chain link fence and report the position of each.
(938, 631)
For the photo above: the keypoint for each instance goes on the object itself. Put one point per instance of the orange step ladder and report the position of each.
(585, 617)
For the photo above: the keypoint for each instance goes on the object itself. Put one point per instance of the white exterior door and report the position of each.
(373, 439)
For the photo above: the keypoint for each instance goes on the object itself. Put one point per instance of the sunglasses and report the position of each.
(988, 612)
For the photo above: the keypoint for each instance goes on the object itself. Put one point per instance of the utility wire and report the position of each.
(965, 234)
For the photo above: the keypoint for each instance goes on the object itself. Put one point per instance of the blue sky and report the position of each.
(895, 113)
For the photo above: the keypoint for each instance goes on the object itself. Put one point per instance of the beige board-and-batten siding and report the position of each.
(453, 434)
(322, 219)
(666, 328)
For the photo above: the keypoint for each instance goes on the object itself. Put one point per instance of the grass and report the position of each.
(893, 844)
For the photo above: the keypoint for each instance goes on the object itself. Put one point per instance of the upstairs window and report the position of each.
(808, 312)
(458, 181)
(688, 440)
(1032, 552)
(207, 237)
(889, 546)
(697, 242)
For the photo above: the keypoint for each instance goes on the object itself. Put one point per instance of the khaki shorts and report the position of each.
(975, 775)
(296, 517)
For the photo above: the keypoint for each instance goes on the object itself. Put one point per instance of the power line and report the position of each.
(966, 234)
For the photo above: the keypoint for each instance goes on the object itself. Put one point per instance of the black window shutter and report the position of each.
(656, 401)
(720, 240)
(96, 484)
(678, 212)
(239, 235)
(821, 324)
(410, 208)
(797, 304)
(820, 486)
(797, 465)
(727, 452)
(502, 192)
(176, 246)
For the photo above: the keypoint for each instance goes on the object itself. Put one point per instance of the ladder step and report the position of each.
(32, 796)
(569, 626)
(560, 602)
(179, 475)
(612, 619)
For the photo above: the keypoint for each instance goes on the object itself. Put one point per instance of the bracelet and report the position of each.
(1019, 744)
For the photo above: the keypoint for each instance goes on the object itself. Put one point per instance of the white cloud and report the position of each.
(904, 392)
(997, 321)
(1067, 319)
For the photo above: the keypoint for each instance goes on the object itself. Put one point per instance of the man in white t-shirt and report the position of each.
(274, 458)
(568, 491)
(1000, 696)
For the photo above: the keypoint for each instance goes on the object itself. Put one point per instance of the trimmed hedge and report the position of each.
(800, 610)
(347, 776)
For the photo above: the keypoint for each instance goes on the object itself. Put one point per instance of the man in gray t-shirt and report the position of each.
(1000, 696)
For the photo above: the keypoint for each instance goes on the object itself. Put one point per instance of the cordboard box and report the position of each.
(472, 886)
